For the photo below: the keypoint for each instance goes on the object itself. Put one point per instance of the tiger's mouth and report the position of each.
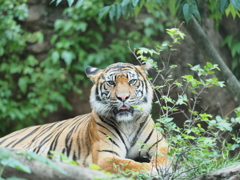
(123, 109)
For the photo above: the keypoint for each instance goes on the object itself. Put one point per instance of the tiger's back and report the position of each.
(69, 137)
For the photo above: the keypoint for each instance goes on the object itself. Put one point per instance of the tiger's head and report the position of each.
(120, 91)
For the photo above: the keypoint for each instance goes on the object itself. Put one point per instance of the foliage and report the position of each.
(233, 43)
(77, 43)
(200, 146)
(7, 159)
(24, 79)
(60, 157)
(185, 8)
(31, 89)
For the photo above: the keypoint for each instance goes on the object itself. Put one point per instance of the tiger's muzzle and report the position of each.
(123, 110)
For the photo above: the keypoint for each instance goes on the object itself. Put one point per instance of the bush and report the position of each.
(200, 146)
(31, 89)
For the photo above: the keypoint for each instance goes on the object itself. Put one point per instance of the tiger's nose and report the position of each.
(122, 97)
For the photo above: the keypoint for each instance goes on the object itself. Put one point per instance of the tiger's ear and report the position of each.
(144, 68)
(93, 73)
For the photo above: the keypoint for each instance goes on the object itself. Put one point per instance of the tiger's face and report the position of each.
(120, 91)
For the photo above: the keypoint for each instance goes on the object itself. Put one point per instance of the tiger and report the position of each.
(116, 135)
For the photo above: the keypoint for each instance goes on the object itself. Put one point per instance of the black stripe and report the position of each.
(117, 131)
(110, 139)
(79, 147)
(74, 156)
(32, 132)
(69, 147)
(54, 142)
(154, 145)
(13, 134)
(146, 140)
(105, 128)
(140, 129)
(112, 152)
(87, 145)
(44, 141)
(69, 141)
(97, 93)
(45, 130)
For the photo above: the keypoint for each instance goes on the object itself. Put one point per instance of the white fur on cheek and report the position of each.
(96, 105)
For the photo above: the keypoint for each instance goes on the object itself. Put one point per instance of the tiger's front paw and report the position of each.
(163, 172)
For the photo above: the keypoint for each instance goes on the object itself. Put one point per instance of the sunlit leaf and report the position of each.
(104, 11)
(22, 83)
(70, 2)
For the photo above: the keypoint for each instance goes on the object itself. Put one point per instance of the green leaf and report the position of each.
(148, 21)
(187, 12)
(135, 2)
(125, 2)
(22, 167)
(59, 23)
(14, 163)
(1, 51)
(79, 3)
(81, 26)
(235, 4)
(70, 2)
(94, 167)
(55, 56)
(118, 11)
(112, 12)
(231, 10)
(22, 83)
(222, 5)
(188, 136)
(210, 65)
(58, 2)
(196, 13)
(172, 6)
(68, 57)
(103, 11)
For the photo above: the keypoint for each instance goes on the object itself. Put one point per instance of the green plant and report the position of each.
(60, 157)
(200, 146)
(233, 43)
(8, 159)
(31, 89)
(25, 100)
(185, 8)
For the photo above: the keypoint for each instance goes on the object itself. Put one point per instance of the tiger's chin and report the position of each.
(123, 114)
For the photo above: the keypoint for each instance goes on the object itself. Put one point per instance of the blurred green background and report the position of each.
(44, 50)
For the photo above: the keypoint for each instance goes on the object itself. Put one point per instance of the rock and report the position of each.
(228, 173)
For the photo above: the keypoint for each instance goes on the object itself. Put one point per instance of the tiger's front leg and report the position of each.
(158, 165)
(114, 161)
(116, 165)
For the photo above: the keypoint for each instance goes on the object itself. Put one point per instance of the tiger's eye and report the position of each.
(111, 83)
(132, 81)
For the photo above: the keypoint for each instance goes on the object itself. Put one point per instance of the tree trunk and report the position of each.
(41, 171)
(211, 55)
(228, 173)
